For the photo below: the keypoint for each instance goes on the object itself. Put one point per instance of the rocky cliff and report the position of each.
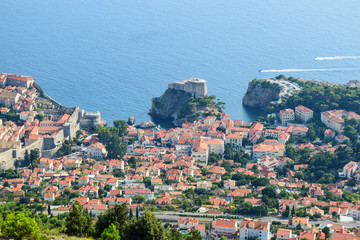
(180, 106)
(168, 105)
(260, 93)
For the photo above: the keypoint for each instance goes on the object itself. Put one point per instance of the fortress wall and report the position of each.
(197, 87)
(6, 159)
(72, 124)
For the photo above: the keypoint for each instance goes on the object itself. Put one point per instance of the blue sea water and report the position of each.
(113, 56)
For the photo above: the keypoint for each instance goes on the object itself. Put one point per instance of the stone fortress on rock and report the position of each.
(196, 86)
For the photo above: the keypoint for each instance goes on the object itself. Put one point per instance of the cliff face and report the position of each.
(168, 105)
(260, 93)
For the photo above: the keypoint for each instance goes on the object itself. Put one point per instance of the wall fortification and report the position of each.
(196, 86)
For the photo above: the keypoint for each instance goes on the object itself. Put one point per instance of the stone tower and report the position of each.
(196, 86)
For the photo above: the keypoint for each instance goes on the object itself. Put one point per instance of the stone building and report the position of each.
(196, 86)
(8, 99)
(15, 80)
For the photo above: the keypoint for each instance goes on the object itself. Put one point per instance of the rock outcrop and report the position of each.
(168, 105)
(178, 106)
(131, 120)
(146, 124)
(260, 94)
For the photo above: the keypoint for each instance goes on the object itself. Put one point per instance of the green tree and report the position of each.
(122, 126)
(78, 222)
(27, 158)
(34, 157)
(49, 210)
(193, 235)
(116, 147)
(139, 199)
(20, 227)
(131, 215)
(147, 228)
(137, 213)
(110, 233)
(132, 162)
(118, 215)
(326, 230)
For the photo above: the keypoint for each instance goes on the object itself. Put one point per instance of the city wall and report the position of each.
(197, 87)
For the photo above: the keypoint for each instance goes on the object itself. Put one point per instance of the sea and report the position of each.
(114, 56)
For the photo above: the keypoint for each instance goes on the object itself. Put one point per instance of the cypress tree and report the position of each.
(137, 213)
(131, 215)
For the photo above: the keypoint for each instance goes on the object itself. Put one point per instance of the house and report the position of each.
(284, 234)
(287, 115)
(217, 170)
(163, 201)
(219, 202)
(130, 193)
(238, 193)
(354, 212)
(112, 182)
(329, 134)
(303, 113)
(89, 190)
(83, 180)
(114, 193)
(252, 229)
(186, 223)
(234, 139)
(163, 188)
(315, 210)
(303, 221)
(229, 184)
(203, 146)
(268, 162)
(225, 227)
(45, 163)
(96, 150)
(116, 164)
(156, 181)
(271, 150)
(342, 236)
(256, 129)
(349, 170)
(133, 178)
(50, 197)
(201, 229)
(334, 119)
(204, 184)
(9, 99)
(307, 235)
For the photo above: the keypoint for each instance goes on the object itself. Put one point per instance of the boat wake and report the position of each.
(309, 70)
(336, 58)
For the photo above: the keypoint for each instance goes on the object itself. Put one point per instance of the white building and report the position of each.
(304, 113)
(251, 229)
(234, 139)
(287, 115)
(271, 150)
(354, 212)
(187, 222)
(225, 227)
(335, 119)
(349, 170)
(96, 150)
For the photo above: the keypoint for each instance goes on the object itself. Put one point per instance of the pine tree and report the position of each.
(147, 228)
(78, 222)
(118, 215)
(110, 233)
(49, 210)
